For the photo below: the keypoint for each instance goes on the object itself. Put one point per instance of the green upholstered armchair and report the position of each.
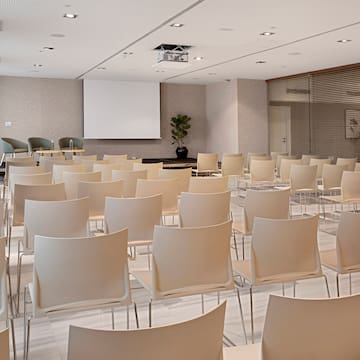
(39, 143)
(12, 146)
(64, 143)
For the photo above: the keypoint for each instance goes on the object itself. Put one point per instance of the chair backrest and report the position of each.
(68, 218)
(274, 154)
(26, 161)
(3, 287)
(115, 158)
(208, 184)
(284, 249)
(106, 169)
(262, 170)
(77, 158)
(3, 215)
(169, 189)
(50, 192)
(4, 345)
(196, 339)
(250, 154)
(347, 242)
(59, 169)
(98, 191)
(39, 143)
(152, 169)
(138, 215)
(182, 175)
(331, 176)
(324, 329)
(129, 163)
(258, 157)
(279, 159)
(306, 158)
(320, 164)
(10, 145)
(357, 166)
(271, 204)
(204, 209)
(48, 161)
(130, 178)
(350, 185)
(350, 162)
(89, 163)
(193, 270)
(207, 162)
(77, 143)
(285, 166)
(71, 181)
(95, 271)
(232, 164)
(303, 177)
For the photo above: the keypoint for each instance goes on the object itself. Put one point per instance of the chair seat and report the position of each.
(328, 259)
(246, 352)
(339, 199)
(20, 151)
(139, 242)
(321, 188)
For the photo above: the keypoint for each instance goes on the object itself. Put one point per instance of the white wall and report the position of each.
(222, 118)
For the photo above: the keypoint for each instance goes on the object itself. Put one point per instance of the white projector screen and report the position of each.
(121, 110)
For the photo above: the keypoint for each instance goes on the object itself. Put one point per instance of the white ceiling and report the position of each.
(225, 32)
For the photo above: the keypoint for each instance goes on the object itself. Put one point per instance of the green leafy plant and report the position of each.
(180, 125)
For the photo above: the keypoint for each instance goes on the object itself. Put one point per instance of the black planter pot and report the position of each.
(182, 152)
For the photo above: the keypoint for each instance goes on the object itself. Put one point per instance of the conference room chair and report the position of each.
(208, 184)
(62, 218)
(69, 143)
(357, 166)
(59, 169)
(129, 178)
(320, 164)
(204, 209)
(94, 269)
(285, 166)
(4, 345)
(39, 143)
(199, 338)
(152, 169)
(106, 169)
(270, 204)
(350, 162)
(12, 146)
(262, 172)
(323, 329)
(274, 154)
(4, 316)
(139, 215)
(189, 261)
(303, 180)
(77, 158)
(129, 163)
(89, 163)
(169, 189)
(181, 175)
(72, 179)
(279, 159)
(207, 163)
(306, 158)
(282, 251)
(257, 157)
(48, 161)
(345, 258)
(97, 193)
(248, 158)
(232, 164)
(115, 158)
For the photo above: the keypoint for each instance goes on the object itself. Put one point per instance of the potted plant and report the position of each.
(180, 125)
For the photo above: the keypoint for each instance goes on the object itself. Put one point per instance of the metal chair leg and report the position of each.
(327, 286)
(243, 246)
(337, 285)
(202, 304)
(112, 319)
(241, 315)
(294, 289)
(13, 336)
(350, 284)
(150, 320)
(235, 246)
(252, 314)
(136, 316)
(127, 318)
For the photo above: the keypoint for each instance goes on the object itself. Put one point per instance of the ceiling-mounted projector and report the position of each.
(172, 56)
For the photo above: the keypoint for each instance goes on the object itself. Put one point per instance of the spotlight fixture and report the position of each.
(38, 65)
(261, 62)
(343, 40)
(49, 48)
(101, 68)
(198, 58)
(267, 33)
(70, 16)
(177, 25)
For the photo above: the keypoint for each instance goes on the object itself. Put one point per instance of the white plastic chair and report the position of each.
(285, 166)
(115, 158)
(196, 339)
(207, 163)
(281, 251)
(152, 169)
(106, 169)
(48, 162)
(94, 269)
(72, 179)
(129, 177)
(262, 171)
(208, 184)
(350, 162)
(59, 169)
(320, 165)
(182, 175)
(232, 165)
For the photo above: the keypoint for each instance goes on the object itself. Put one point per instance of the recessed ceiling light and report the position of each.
(267, 33)
(128, 53)
(198, 58)
(294, 53)
(177, 25)
(70, 16)
(49, 48)
(261, 62)
(57, 35)
(212, 74)
(343, 40)
(37, 65)
(158, 71)
(101, 68)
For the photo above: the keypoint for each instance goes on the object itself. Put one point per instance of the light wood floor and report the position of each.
(49, 335)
